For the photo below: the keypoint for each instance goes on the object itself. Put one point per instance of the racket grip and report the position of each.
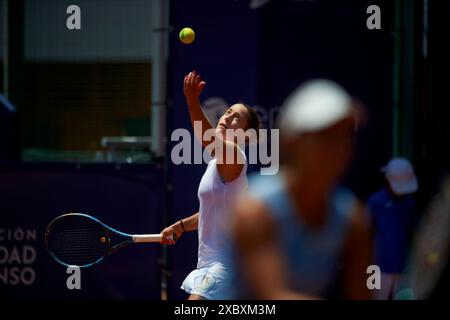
(145, 238)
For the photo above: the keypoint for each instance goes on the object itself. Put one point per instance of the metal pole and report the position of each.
(14, 65)
(160, 15)
(397, 77)
(404, 82)
(5, 49)
(159, 77)
(425, 29)
(409, 78)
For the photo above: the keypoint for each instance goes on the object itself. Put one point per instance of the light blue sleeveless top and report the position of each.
(311, 255)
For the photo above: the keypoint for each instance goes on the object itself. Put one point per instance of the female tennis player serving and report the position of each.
(224, 178)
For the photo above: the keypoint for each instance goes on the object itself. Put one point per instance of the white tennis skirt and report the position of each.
(212, 282)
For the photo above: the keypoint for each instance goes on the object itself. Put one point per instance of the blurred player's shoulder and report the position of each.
(345, 201)
(252, 219)
(270, 192)
(359, 223)
(263, 186)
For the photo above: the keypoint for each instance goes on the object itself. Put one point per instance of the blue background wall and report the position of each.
(225, 54)
(259, 56)
(128, 199)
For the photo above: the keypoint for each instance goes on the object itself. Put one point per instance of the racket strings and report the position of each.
(78, 245)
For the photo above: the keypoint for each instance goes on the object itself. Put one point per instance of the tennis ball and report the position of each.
(433, 258)
(187, 35)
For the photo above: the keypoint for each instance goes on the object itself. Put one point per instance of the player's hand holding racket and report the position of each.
(172, 233)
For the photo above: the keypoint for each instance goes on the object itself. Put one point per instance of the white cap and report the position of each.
(400, 174)
(314, 106)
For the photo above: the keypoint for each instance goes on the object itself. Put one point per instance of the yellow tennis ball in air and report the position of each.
(433, 258)
(187, 35)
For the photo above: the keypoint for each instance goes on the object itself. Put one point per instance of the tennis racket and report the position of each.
(77, 239)
(431, 248)
(433, 245)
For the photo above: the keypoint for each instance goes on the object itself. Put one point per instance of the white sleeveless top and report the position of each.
(216, 200)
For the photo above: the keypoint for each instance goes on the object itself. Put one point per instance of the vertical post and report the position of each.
(423, 82)
(404, 81)
(425, 29)
(159, 78)
(14, 65)
(160, 18)
(5, 48)
(14, 37)
(396, 77)
(409, 77)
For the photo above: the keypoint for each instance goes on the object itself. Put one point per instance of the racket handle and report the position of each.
(145, 238)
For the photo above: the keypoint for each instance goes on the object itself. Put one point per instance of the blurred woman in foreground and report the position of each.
(297, 233)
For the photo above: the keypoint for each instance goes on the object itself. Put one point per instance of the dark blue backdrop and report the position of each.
(225, 54)
(127, 198)
(259, 56)
(256, 56)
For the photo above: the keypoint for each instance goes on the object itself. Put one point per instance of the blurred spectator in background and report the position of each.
(392, 211)
(297, 232)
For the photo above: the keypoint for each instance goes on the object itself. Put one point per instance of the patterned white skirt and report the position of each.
(211, 282)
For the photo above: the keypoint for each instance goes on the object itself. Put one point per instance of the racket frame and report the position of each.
(129, 238)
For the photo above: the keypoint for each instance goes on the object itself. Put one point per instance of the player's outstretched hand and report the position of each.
(193, 85)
